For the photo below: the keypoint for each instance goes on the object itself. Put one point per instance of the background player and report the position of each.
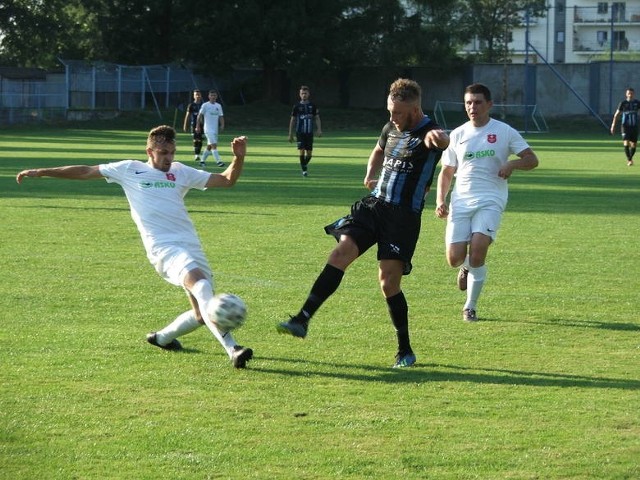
(303, 116)
(211, 120)
(190, 122)
(628, 108)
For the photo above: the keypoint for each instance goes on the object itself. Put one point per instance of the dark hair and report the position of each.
(160, 135)
(304, 87)
(405, 90)
(479, 88)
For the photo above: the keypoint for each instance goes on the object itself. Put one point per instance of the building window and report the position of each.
(603, 7)
(602, 37)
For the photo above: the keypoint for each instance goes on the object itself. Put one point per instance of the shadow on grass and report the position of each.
(564, 322)
(433, 372)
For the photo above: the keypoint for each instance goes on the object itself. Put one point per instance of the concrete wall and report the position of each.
(558, 90)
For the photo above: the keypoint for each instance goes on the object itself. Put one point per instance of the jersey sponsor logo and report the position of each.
(138, 173)
(398, 165)
(479, 154)
(492, 138)
(158, 184)
(171, 177)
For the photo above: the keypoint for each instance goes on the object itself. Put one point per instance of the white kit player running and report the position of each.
(212, 117)
(155, 191)
(478, 155)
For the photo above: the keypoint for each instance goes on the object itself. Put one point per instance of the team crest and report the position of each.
(492, 138)
(171, 177)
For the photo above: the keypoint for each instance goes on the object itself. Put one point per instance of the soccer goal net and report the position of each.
(524, 118)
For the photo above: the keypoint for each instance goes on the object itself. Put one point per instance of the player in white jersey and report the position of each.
(478, 156)
(212, 117)
(155, 190)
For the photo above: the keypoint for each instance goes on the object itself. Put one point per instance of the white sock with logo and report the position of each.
(185, 323)
(475, 281)
(202, 290)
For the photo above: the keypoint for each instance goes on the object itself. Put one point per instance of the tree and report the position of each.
(493, 22)
(35, 33)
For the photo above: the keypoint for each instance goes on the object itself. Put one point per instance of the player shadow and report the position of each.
(434, 372)
(566, 322)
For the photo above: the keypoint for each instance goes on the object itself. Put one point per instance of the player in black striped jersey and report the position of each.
(628, 110)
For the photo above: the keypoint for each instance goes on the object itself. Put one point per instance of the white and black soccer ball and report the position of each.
(227, 311)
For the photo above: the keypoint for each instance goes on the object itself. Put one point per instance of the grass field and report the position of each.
(547, 386)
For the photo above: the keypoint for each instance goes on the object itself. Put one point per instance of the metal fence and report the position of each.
(87, 89)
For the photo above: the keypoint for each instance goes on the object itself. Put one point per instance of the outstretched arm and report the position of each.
(229, 177)
(71, 172)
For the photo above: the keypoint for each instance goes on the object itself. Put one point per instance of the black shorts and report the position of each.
(630, 133)
(394, 229)
(304, 141)
(197, 136)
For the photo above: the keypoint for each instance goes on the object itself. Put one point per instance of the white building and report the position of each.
(578, 31)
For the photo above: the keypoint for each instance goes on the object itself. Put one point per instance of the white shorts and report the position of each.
(462, 223)
(212, 137)
(173, 263)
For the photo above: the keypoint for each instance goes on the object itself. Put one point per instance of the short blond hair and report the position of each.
(405, 90)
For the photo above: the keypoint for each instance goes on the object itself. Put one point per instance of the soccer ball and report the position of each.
(227, 311)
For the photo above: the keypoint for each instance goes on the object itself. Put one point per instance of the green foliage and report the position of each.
(545, 386)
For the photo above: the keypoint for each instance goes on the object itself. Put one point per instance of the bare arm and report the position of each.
(71, 172)
(613, 122)
(373, 167)
(444, 184)
(229, 177)
(527, 160)
(186, 121)
(221, 123)
(291, 124)
(318, 126)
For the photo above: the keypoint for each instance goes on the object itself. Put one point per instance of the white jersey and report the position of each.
(156, 200)
(478, 154)
(211, 113)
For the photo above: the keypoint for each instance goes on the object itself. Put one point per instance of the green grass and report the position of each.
(545, 387)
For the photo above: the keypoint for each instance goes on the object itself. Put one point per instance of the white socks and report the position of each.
(202, 290)
(216, 155)
(205, 155)
(185, 323)
(475, 281)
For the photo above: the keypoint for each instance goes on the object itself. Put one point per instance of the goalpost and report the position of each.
(524, 118)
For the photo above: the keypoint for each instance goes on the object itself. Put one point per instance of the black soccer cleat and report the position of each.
(174, 344)
(240, 356)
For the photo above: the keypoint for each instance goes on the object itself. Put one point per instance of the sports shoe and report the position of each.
(294, 327)
(220, 164)
(305, 173)
(174, 344)
(202, 164)
(469, 315)
(463, 273)
(403, 360)
(240, 356)
(629, 163)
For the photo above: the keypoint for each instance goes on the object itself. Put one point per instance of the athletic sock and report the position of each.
(627, 152)
(475, 281)
(216, 155)
(307, 159)
(303, 166)
(632, 152)
(202, 290)
(205, 155)
(399, 312)
(325, 285)
(185, 323)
